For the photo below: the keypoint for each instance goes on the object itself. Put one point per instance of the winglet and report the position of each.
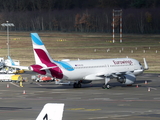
(145, 64)
(12, 62)
(51, 111)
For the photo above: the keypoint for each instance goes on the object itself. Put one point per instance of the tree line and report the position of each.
(139, 16)
(32, 5)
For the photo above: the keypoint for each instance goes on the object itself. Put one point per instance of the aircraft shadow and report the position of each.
(94, 85)
(13, 108)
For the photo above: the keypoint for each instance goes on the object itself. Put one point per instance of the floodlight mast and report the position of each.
(7, 24)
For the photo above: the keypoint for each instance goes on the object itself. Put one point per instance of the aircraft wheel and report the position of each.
(106, 86)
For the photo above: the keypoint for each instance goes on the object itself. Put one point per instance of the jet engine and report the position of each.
(85, 81)
(127, 79)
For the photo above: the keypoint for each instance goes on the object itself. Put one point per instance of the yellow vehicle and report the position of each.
(16, 78)
(19, 70)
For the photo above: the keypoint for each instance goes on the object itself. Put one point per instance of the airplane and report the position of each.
(51, 111)
(124, 70)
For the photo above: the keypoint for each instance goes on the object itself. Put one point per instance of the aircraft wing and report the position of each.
(114, 74)
(13, 65)
(20, 67)
(101, 76)
(27, 68)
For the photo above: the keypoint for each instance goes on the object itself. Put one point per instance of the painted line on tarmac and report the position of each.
(76, 109)
(92, 109)
(153, 88)
(14, 84)
(108, 99)
(117, 116)
(131, 98)
(98, 118)
(128, 100)
(74, 98)
(83, 109)
(156, 98)
(112, 116)
(38, 84)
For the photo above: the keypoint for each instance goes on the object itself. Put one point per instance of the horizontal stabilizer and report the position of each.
(46, 68)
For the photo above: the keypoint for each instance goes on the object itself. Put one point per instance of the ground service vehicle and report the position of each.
(10, 78)
(16, 78)
(42, 78)
(6, 77)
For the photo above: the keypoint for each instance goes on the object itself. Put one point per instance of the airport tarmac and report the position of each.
(139, 101)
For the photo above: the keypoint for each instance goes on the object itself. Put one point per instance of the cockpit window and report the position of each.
(140, 63)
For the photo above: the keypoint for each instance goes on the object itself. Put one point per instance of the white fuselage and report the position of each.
(92, 69)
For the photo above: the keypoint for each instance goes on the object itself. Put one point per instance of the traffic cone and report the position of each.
(7, 85)
(24, 92)
(145, 82)
(137, 86)
(149, 89)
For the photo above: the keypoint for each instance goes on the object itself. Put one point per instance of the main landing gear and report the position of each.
(106, 85)
(77, 85)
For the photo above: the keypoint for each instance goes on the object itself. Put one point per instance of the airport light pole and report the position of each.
(7, 24)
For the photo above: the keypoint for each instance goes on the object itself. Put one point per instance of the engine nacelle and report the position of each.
(85, 81)
(127, 79)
